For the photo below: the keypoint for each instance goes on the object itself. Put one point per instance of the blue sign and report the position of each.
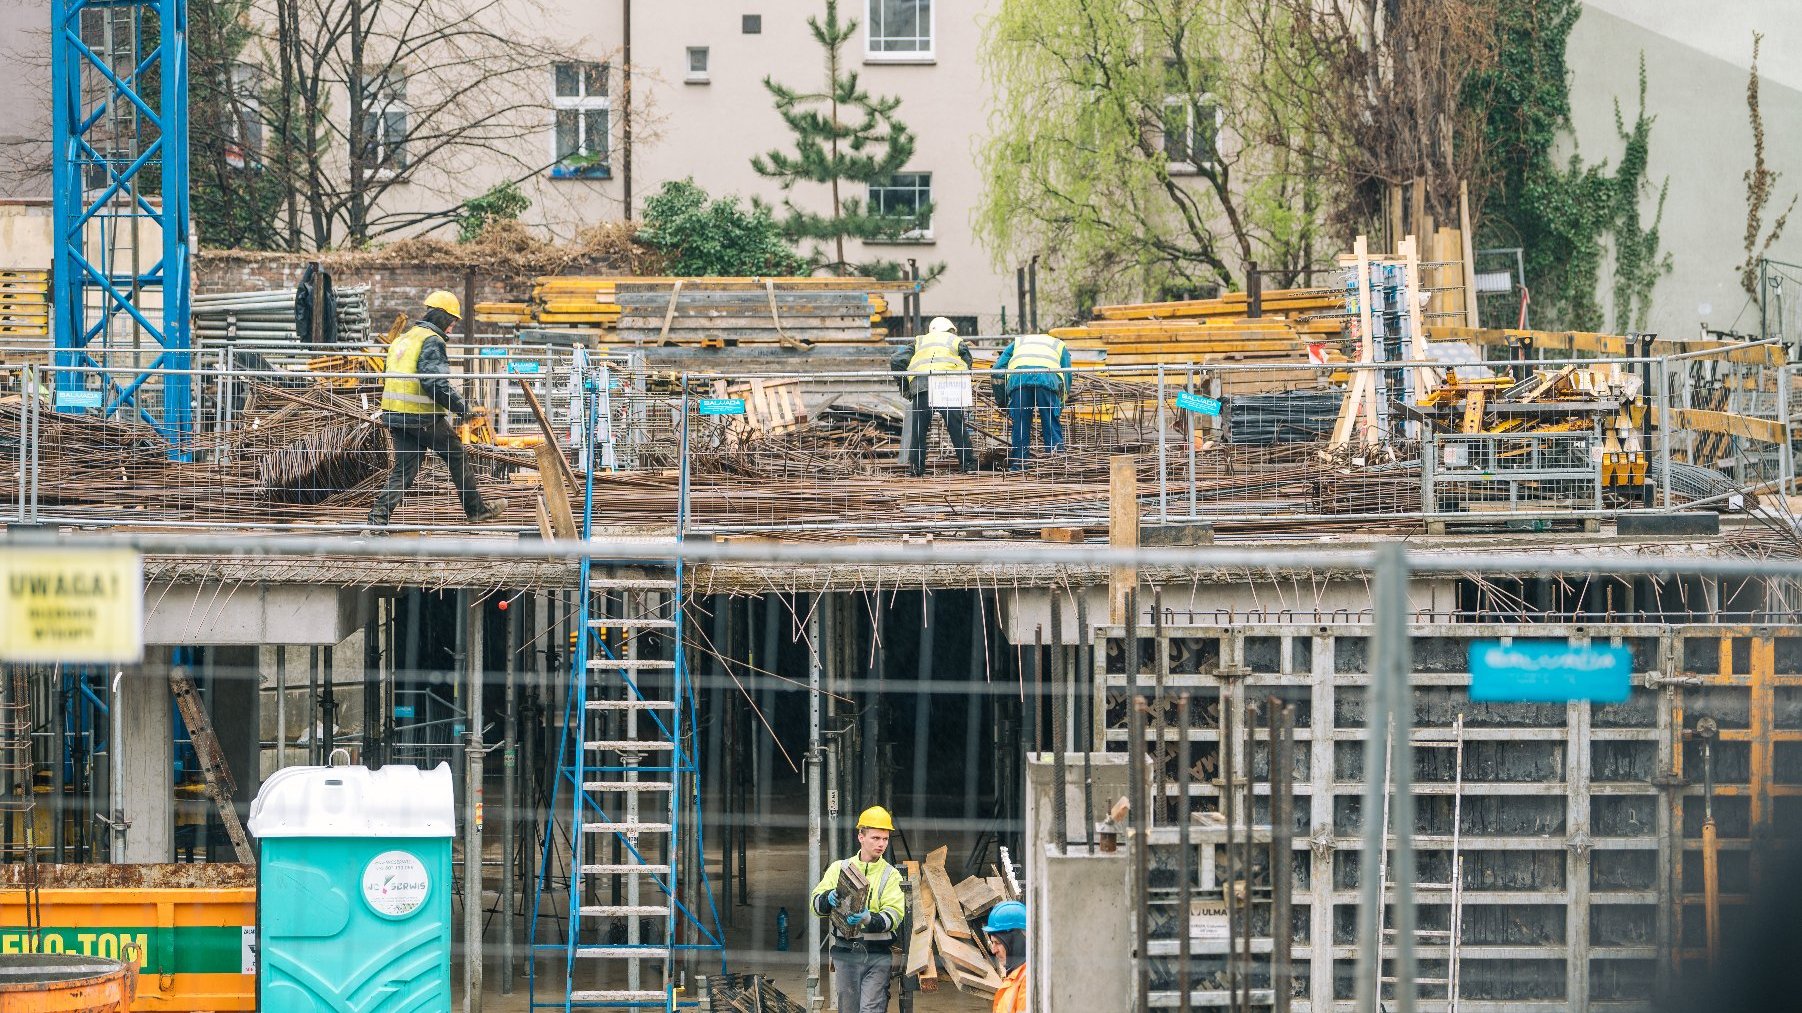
(403, 711)
(1198, 404)
(1542, 672)
(522, 367)
(493, 352)
(722, 406)
(77, 399)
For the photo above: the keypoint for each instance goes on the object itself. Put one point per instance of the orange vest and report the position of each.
(1012, 996)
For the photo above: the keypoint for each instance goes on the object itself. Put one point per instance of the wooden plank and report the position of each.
(919, 948)
(1122, 529)
(551, 468)
(1469, 256)
(1724, 423)
(544, 426)
(944, 897)
(1067, 536)
(970, 969)
(976, 896)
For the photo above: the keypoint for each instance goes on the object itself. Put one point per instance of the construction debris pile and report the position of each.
(747, 993)
(946, 934)
(1602, 400)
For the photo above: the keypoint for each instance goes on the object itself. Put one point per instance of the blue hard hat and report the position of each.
(1006, 916)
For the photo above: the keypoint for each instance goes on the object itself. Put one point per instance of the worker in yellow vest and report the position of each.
(1038, 381)
(938, 351)
(1006, 929)
(862, 961)
(417, 400)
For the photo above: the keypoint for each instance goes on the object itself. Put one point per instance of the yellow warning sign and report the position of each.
(73, 605)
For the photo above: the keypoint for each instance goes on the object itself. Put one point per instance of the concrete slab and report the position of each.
(217, 613)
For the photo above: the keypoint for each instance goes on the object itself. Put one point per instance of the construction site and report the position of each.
(1345, 652)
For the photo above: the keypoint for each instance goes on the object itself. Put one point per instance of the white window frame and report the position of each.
(245, 109)
(702, 76)
(1206, 100)
(919, 235)
(581, 104)
(383, 101)
(873, 55)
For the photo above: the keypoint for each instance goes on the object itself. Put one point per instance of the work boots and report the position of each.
(489, 512)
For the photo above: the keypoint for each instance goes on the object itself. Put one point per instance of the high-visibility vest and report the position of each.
(1011, 996)
(402, 392)
(1037, 352)
(936, 352)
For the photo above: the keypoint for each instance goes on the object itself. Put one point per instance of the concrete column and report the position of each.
(147, 747)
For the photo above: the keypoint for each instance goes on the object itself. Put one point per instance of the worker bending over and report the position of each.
(861, 962)
(937, 353)
(1038, 381)
(416, 395)
(1006, 930)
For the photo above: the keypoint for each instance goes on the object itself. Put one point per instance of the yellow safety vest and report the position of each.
(402, 392)
(936, 352)
(1037, 352)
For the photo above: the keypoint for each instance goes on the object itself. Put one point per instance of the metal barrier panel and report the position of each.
(1580, 824)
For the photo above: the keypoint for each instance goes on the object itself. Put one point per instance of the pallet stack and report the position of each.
(24, 306)
(599, 303)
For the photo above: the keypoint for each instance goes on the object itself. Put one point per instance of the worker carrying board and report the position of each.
(416, 397)
(939, 380)
(862, 897)
(1038, 381)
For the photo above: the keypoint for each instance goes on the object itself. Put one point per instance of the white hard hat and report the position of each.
(941, 324)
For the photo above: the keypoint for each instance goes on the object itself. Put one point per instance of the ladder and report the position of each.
(1450, 937)
(637, 901)
(219, 783)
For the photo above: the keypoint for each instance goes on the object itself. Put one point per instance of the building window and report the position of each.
(900, 29)
(753, 24)
(1192, 122)
(384, 121)
(906, 198)
(580, 103)
(697, 64)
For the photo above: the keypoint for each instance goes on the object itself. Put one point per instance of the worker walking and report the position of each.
(416, 395)
(939, 380)
(1038, 381)
(861, 961)
(1006, 930)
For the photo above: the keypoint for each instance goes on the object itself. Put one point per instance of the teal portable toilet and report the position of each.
(354, 890)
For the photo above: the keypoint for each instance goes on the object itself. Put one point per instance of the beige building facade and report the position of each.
(700, 110)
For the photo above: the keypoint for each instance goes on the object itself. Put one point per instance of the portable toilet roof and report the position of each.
(394, 801)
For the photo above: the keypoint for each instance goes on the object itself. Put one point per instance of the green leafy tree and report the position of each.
(501, 203)
(1128, 150)
(699, 237)
(845, 139)
(234, 195)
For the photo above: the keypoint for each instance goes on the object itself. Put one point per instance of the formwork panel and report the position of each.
(1579, 826)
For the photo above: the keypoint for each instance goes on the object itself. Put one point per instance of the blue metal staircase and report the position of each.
(638, 901)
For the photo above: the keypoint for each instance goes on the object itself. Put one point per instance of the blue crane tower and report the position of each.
(120, 268)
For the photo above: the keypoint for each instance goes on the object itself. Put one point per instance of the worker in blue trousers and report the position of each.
(1038, 381)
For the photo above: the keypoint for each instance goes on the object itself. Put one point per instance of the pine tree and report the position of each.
(844, 137)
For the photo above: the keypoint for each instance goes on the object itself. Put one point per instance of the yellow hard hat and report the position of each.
(876, 818)
(446, 301)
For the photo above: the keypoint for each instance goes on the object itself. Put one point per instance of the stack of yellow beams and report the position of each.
(1201, 331)
(591, 301)
(25, 303)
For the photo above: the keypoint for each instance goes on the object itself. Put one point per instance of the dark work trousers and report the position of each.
(860, 978)
(413, 435)
(1025, 402)
(954, 426)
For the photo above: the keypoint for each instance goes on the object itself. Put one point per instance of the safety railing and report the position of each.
(1246, 447)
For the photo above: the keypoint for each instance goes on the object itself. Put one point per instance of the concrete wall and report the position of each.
(1697, 59)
